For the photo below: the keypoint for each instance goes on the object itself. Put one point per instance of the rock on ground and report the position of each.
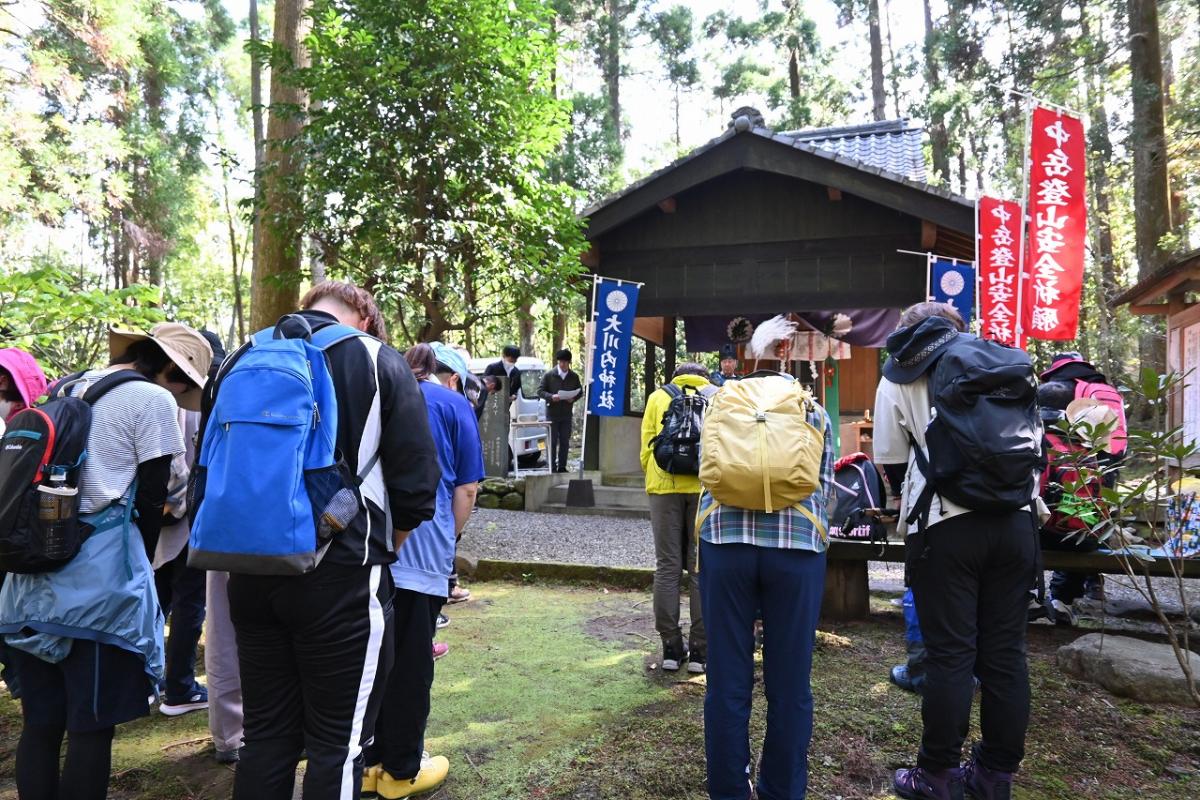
(1129, 667)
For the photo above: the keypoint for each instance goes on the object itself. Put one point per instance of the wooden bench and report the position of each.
(847, 591)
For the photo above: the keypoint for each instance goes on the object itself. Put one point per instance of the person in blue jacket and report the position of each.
(398, 766)
(87, 639)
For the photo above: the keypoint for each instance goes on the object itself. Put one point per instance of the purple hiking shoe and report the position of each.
(922, 784)
(982, 783)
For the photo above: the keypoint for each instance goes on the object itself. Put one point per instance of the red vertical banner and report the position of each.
(1057, 225)
(999, 242)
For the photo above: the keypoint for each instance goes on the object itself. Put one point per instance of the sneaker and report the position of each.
(696, 663)
(229, 756)
(459, 595)
(673, 656)
(196, 701)
(432, 775)
(922, 784)
(982, 783)
(440, 649)
(1093, 588)
(1062, 613)
(899, 676)
(1036, 610)
(442, 621)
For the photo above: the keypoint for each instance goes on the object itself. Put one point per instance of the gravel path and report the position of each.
(618, 542)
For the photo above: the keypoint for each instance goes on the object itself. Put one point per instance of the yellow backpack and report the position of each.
(758, 450)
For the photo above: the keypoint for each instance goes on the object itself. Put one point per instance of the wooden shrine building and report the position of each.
(756, 223)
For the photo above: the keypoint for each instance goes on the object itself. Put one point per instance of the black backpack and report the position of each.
(39, 442)
(985, 437)
(858, 487)
(677, 446)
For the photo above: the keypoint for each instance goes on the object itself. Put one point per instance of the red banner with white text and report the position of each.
(1057, 225)
(999, 243)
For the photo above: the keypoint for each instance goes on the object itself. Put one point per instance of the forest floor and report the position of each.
(554, 692)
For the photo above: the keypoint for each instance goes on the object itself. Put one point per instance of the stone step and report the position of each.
(635, 480)
(596, 511)
(607, 496)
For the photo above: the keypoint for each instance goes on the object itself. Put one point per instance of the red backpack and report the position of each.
(1069, 513)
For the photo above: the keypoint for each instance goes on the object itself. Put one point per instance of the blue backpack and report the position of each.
(270, 488)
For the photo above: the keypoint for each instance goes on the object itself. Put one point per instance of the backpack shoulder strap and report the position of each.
(110, 382)
(672, 390)
(59, 387)
(330, 335)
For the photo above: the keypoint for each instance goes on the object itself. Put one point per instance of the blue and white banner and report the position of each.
(616, 306)
(954, 283)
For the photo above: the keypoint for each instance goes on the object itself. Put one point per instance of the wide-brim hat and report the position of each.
(28, 378)
(186, 348)
(1061, 360)
(913, 350)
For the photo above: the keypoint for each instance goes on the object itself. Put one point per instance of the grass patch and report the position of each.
(553, 693)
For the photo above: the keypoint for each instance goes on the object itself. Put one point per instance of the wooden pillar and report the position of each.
(847, 591)
(650, 373)
(668, 347)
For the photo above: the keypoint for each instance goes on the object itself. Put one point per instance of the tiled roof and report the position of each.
(796, 140)
(892, 145)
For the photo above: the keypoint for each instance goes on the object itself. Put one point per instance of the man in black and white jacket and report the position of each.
(310, 646)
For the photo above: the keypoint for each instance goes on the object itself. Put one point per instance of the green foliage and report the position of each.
(62, 319)
(426, 153)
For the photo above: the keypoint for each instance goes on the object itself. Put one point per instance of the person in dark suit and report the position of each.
(506, 367)
(727, 372)
(558, 408)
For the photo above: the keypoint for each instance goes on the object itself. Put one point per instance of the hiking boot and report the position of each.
(432, 775)
(674, 654)
(922, 784)
(459, 595)
(982, 783)
(440, 649)
(696, 662)
(197, 700)
(1061, 613)
(442, 621)
(370, 781)
(1093, 588)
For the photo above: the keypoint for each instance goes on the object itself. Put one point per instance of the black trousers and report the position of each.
(313, 652)
(181, 593)
(400, 727)
(970, 578)
(560, 443)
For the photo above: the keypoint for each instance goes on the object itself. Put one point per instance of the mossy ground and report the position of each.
(553, 692)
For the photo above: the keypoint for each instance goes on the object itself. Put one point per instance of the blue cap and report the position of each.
(447, 356)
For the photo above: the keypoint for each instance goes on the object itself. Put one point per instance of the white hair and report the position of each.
(768, 334)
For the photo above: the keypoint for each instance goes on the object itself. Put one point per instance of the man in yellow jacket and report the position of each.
(673, 499)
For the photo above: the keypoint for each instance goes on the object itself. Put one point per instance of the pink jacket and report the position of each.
(26, 374)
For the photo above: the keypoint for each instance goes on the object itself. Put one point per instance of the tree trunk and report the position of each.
(525, 328)
(274, 283)
(878, 94)
(794, 73)
(939, 138)
(1152, 199)
(559, 331)
(895, 75)
(611, 63)
(239, 319)
(256, 116)
(1151, 191)
(1100, 152)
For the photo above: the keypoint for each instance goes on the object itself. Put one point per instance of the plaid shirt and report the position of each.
(788, 528)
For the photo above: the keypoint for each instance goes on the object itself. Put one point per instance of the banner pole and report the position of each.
(1020, 326)
(929, 277)
(587, 386)
(978, 272)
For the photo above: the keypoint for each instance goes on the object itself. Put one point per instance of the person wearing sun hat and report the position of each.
(87, 639)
